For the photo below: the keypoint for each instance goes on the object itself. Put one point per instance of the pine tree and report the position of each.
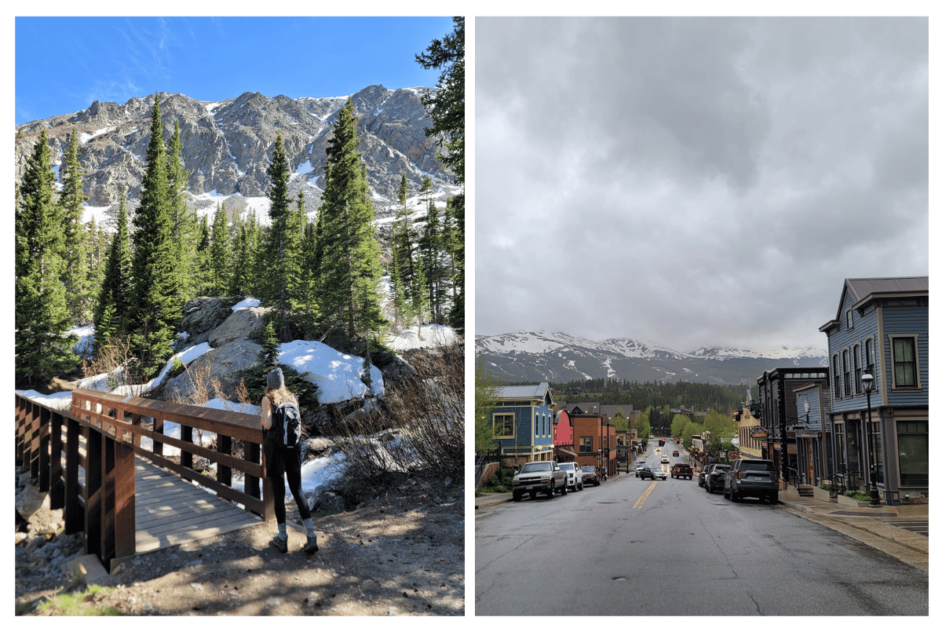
(348, 292)
(156, 305)
(431, 245)
(402, 248)
(456, 247)
(446, 109)
(220, 253)
(185, 231)
(40, 313)
(420, 302)
(203, 271)
(114, 297)
(446, 106)
(283, 243)
(75, 276)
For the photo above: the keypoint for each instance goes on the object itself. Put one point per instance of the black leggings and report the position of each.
(278, 462)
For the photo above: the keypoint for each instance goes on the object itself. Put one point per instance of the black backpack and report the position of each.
(286, 425)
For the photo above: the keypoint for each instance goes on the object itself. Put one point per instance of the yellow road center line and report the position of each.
(644, 495)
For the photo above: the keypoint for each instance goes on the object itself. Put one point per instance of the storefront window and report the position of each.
(913, 445)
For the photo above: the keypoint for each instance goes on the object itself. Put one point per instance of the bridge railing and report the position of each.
(112, 427)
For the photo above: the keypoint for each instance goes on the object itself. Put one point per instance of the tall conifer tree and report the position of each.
(115, 295)
(221, 253)
(348, 294)
(155, 306)
(75, 275)
(185, 227)
(283, 242)
(40, 313)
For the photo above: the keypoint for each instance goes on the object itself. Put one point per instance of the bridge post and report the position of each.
(93, 493)
(20, 429)
(32, 441)
(56, 486)
(223, 472)
(43, 454)
(186, 435)
(74, 517)
(124, 501)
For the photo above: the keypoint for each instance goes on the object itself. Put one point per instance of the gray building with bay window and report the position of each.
(881, 326)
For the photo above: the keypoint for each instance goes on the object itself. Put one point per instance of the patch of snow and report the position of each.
(84, 138)
(232, 406)
(58, 401)
(304, 168)
(432, 336)
(246, 303)
(336, 374)
(86, 340)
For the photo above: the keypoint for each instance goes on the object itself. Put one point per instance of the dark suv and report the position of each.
(751, 478)
(715, 477)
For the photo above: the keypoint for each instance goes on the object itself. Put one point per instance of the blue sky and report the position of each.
(63, 64)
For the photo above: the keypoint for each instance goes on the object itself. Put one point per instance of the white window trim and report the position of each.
(513, 423)
(893, 386)
(857, 361)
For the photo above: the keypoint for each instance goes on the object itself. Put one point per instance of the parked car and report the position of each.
(704, 472)
(751, 478)
(716, 477)
(539, 477)
(591, 476)
(574, 475)
(647, 473)
(682, 471)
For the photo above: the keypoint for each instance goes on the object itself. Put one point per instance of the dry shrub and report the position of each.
(116, 359)
(422, 424)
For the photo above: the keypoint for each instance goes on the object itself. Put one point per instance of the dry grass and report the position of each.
(424, 414)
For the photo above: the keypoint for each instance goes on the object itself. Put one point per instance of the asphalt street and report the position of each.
(637, 547)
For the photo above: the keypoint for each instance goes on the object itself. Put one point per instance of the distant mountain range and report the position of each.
(559, 357)
(227, 147)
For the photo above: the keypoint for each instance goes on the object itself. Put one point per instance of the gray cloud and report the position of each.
(695, 181)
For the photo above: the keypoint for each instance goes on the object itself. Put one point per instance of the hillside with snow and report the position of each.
(560, 357)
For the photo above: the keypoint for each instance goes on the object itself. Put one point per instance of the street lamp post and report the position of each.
(867, 381)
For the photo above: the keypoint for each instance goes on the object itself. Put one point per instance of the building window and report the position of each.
(585, 445)
(504, 425)
(904, 362)
(850, 319)
(912, 438)
(868, 349)
(836, 372)
(846, 374)
(857, 387)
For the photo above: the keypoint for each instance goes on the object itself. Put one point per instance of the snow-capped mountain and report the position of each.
(227, 146)
(559, 357)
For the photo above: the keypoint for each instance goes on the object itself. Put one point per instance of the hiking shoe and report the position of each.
(279, 544)
(311, 545)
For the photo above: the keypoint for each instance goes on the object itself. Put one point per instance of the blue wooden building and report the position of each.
(814, 444)
(522, 420)
(882, 325)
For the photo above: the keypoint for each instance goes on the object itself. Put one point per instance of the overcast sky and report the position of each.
(695, 182)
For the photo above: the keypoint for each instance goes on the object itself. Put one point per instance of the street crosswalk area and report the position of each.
(920, 527)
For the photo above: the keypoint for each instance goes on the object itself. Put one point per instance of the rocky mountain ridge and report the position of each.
(559, 357)
(227, 145)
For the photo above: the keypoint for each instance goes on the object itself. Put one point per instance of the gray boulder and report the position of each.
(326, 500)
(224, 363)
(202, 315)
(30, 500)
(241, 324)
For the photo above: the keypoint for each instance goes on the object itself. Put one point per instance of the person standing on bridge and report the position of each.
(281, 461)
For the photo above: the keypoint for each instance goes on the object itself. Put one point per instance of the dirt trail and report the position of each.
(401, 554)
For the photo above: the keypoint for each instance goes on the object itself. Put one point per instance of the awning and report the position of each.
(566, 452)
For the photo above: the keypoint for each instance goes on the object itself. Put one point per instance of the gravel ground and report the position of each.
(401, 554)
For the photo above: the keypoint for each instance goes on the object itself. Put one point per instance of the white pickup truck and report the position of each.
(573, 475)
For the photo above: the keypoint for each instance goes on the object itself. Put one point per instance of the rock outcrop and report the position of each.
(245, 323)
(227, 145)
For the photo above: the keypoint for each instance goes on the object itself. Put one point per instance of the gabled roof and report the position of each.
(864, 290)
(529, 392)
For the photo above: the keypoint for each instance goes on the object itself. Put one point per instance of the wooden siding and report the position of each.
(864, 327)
(903, 321)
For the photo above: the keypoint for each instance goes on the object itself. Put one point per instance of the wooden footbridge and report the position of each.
(129, 498)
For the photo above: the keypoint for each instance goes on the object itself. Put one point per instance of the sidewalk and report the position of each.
(870, 526)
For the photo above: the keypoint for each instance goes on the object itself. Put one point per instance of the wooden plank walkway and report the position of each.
(169, 511)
